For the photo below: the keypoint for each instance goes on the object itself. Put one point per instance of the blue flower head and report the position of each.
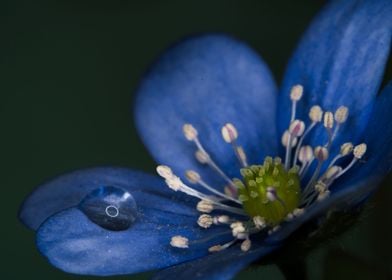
(243, 168)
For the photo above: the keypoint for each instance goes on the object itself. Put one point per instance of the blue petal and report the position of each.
(378, 159)
(341, 61)
(220, 266)
(207, 81)
(68, 190)
(74, 244)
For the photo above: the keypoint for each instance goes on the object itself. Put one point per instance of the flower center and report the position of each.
(270, 194)
(269, 190)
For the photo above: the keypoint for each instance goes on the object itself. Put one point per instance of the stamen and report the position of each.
(218, 248)
(295, 96)
(358, 152)
(201, 157)
(176, 184)
(345, 150)
(237, 228)
(296, 129)
(231, 191)
(316, 114)
(195, 178)
(323, 195)
(204, 206)
(245, 245)
(191, 134)
(298, 212)
(306, 154)
(259, 222)
(164, 171)
(296, 92)
(328, 120)
(312, 125)
(341, 114)
(285, 140)
(179, 241)
(306, 157)
(242, 156)
(205, 221)
(230, 135)
(222, 219)
(192, 176)
(321, 154)
(331, 173)
(289, 141)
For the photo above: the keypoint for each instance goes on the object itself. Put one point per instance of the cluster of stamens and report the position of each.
(272, 193)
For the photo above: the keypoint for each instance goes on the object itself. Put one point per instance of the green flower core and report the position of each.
(269, 191)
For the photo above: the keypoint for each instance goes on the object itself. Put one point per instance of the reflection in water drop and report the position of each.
(112, 211)
(110, 207)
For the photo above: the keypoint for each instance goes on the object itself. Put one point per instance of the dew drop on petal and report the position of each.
(110, 207)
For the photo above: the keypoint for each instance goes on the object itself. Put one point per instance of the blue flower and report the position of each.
(224, 202)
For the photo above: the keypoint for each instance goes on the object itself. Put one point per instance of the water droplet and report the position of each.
(110, 207)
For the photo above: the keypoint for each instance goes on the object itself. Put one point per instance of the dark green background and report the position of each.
(68, 73)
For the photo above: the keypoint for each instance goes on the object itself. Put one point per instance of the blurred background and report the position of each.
(68, 73)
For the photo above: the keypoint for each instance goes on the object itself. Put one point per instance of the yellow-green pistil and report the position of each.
(269, 191)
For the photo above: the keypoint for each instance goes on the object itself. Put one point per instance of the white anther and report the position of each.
(289, 217)
(346, 148)
(242, 235)
(179, 241)
(205, 221)
(328, 120)
(323, 195)
(320, 187)
(204, 206)
(341, 114)
(245, 245)
(332, 172)
(223, 219)
(174, 183)
(230, 191)
(271, 194)
(360, 150)
(229, 133)
(296, 92)
(237, 228)
(298, 212)
(274, 229)
(297, 128)
(164, 171)
(215, 248)
(192, 176)
(190, 132)
(316, 113)
(286, 137)
(321, 153)
(202, 157)
(259, 222)
(305, 154)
